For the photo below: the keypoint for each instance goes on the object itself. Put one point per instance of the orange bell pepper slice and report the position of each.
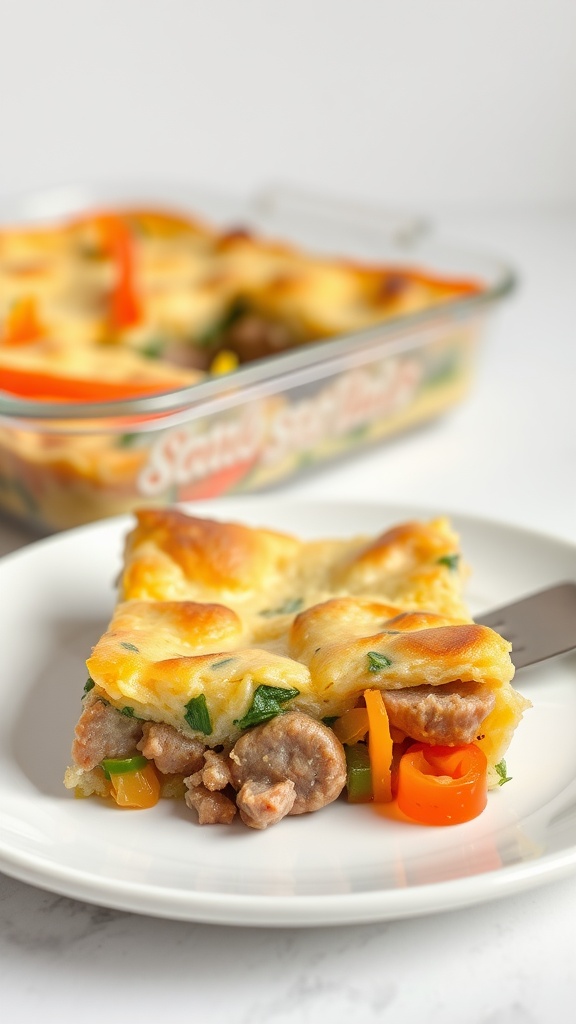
(125, 305)
(22, 325)
(138, 788)
(117, 242)
(379, 747)
(46, 387)
(440, 785)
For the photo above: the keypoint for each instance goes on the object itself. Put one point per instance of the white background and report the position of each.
(431, 105)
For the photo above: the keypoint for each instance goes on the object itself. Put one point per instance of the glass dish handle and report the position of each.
(284, 201)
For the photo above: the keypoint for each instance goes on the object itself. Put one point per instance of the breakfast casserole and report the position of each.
(250, 672)
(148, 357)
(153, 299)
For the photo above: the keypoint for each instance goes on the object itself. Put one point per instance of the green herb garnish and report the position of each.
(358, 774)
(89, 685)
(502, 773)
(121, 765)
(198, 716)
(219, 664)
(266, 703)
(128, 647)
(451, 561)
(293, 604)
(357, 433)
(128, 712)
(153, 348)
(127, 440)
(376, 661)
(217, 330)
(443, 371)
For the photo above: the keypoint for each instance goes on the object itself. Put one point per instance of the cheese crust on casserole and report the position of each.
(126, 303)
(199, 290)
(214, 610)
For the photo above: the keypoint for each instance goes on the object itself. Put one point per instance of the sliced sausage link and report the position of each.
(292, 747)
(103, 731)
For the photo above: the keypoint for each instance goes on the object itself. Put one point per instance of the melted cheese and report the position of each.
(187, 276)
(217, 609)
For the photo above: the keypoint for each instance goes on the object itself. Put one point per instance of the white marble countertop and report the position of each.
(509, 453)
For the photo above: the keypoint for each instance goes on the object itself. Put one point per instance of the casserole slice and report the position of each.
(235, 654)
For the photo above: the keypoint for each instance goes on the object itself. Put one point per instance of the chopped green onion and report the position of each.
(128, 712)
(266, 703)
(216, 332)
(357, 433)
(450, 561)
(358, 774)
(293, 604)
(126, 440)
(121, 765)
(197, 715)
(128, 646)
(330, 719)
(153, 348)
(377, 661)
(219, 664)
(89, 685)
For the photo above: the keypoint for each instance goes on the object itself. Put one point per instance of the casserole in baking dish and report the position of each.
(149, 354)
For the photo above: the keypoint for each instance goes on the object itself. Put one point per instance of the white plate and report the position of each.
(341, 865)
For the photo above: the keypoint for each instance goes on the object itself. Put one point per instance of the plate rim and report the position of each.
(243, 910)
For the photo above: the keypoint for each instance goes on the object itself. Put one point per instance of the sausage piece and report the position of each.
(216, 771)
(291, 747)
(254, 337)
(170, 750)
(449, 714)
(261, 805)
(103, 731)
(212, 808)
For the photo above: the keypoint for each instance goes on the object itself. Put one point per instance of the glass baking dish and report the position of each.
(66, 464)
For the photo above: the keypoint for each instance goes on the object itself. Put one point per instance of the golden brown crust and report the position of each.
(271, 610)
(171, 555)
(170, 551)
(157, 656)
(194, 626)
(187, 277)
(350, 645)
(413, 557)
